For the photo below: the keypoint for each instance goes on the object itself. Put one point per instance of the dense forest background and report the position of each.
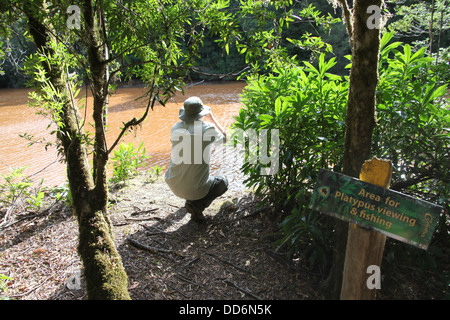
(410, 20)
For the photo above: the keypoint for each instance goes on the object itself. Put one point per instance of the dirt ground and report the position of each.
(166, 256)
(169, 257)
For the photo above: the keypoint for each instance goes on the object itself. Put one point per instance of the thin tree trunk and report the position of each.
(103, 269)
(360, 119)
(431, 27)
(440, 31)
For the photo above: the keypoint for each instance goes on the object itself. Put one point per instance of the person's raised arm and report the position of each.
(210, 118)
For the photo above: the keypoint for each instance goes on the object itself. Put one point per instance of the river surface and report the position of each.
(16, 118)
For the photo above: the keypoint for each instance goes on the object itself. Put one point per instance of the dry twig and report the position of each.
(247, 292)
(145, 247)
(227, 262)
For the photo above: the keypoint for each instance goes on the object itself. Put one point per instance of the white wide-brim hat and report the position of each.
(193, 109)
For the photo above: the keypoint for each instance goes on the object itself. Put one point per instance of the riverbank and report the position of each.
(166, 255)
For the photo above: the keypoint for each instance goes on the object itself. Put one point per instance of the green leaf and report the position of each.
(285, 106)
(385, 39)
(418, 54)
(278, 106)
(407, 50)
(438, 92)
(311, 67)
(265, 117)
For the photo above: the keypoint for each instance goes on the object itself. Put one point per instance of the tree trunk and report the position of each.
(431, 28)
(441, 20)
(360, 119)
(103, 269)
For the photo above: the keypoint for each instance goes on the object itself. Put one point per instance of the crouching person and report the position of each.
(188, 175)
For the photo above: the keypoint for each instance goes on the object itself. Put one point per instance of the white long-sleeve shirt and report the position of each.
(188, 175)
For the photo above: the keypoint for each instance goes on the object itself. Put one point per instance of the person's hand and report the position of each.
(208, 117)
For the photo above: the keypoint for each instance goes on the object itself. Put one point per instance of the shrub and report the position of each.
(126, 160)
(413, 123)
(308, 106)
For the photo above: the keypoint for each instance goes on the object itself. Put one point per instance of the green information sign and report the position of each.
(394, 214)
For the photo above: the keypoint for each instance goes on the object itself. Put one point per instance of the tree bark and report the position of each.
(360, 118)
(431, 28)
(103, 269)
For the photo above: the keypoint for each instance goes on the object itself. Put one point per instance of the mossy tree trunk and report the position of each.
(103, 269)
(360, 118)
(156, 34)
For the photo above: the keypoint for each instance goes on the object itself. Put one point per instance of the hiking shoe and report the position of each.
(196, 213)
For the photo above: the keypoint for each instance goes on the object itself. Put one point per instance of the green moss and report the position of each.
(105, 276)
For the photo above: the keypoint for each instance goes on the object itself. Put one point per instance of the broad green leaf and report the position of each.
(407, 50)
(277, 106)
(438, 92)
(385, 39)
(265, 117)
(311, 67)
(286, 104)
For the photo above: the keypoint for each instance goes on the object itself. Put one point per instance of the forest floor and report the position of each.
(166, 255)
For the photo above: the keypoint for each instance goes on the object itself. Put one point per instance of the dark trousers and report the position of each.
(218, 188)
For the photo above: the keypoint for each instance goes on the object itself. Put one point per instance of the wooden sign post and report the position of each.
(373, 212)
(364, 247)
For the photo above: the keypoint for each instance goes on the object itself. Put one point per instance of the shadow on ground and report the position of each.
(230, 256)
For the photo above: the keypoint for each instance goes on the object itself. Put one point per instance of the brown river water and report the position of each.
(17, 118)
